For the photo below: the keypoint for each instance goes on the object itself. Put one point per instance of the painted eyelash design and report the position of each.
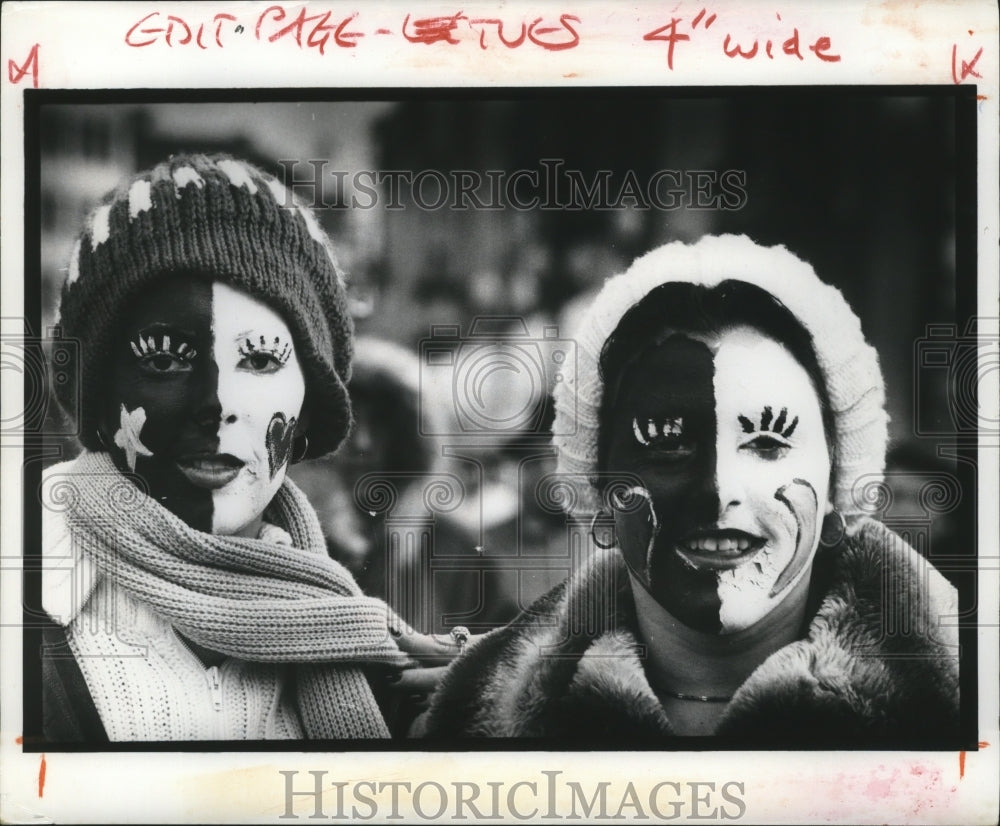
(766, 424)
(650, 431)
(161, 344)
(279, 349)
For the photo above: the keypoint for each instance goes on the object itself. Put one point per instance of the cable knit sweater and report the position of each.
(144, 681)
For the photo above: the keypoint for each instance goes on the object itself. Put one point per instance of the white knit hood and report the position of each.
(848, 363)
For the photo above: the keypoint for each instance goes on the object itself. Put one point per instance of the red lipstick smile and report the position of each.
(718, 549)
(210, 470)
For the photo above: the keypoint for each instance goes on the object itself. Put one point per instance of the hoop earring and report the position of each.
(830, 536)
(100, 438)
(300, 449)
(593, 535)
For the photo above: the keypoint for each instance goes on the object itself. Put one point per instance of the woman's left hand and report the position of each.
(433, 653)
(431, 649)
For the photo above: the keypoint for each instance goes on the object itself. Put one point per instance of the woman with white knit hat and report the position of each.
(187, 577)
(725, 420)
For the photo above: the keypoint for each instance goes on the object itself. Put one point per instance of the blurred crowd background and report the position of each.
(438, 500)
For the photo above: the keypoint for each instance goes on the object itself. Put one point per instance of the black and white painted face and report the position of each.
(205, 395)
(726, 434)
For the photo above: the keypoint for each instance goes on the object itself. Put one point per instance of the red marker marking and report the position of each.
(496, 21)
(670, 34)
(791, 46)
(19, 739)
(738, 50)
(344, 39)
(967, 68)
(961, 758)
(41, 777)
(708, 22)
(218, 29)
(564, 25)
(432, 29)
(171, 20)
(820, 47)
(138, 44)
(16, 73)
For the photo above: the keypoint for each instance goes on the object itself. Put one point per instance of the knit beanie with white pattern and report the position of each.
(848, 364)
(225, 219)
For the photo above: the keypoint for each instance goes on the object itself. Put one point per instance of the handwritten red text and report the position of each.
(15, 73)
(734, 46)
(173, 30)
(322, 30)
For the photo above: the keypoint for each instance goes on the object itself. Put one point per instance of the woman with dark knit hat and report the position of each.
(719, 440)
(187, 576)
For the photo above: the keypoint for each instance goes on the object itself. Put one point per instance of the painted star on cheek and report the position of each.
(127, 437)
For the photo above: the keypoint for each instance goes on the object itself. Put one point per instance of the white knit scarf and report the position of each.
(252, 599)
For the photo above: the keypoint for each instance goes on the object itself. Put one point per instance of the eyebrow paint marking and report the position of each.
(779, 423)
(143, 346)
(766, 417)
(671, 427)
(280, 350)
(637, 432)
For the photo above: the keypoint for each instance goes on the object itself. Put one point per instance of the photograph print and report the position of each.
(594, 418)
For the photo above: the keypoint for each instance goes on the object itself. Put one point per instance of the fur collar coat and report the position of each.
(877, 663)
